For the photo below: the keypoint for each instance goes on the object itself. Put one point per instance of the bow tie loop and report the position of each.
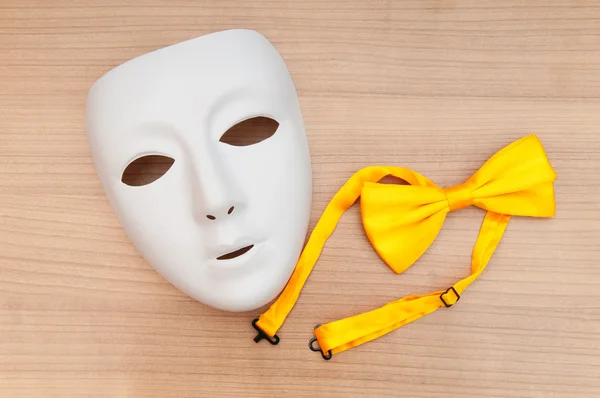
(459, 196)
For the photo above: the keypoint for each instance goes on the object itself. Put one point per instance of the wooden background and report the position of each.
(436, 85)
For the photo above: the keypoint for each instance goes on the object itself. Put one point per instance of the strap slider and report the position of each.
(262, 335)
(450, 289)
(318, 349)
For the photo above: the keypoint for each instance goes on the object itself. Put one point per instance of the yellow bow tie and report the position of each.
(401, 222)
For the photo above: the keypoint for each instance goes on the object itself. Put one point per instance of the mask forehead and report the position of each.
(190, 82)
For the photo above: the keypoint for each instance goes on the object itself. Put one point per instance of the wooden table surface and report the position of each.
(435, 85)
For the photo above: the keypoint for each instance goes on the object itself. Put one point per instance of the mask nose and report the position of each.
(216, 195)
(229, 211)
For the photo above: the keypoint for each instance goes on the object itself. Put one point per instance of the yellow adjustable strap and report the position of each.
(401, 222)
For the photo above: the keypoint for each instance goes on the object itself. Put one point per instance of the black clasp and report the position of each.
(318, 349)
(262, 335)
(450, 289)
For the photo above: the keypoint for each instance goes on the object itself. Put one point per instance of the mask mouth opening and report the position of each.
(235, 253)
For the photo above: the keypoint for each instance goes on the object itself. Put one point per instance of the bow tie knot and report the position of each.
(459, 196)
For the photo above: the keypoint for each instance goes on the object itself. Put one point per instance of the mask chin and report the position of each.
(202, 152)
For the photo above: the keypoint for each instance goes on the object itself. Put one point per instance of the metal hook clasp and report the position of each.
(318, 349)
(262, 335)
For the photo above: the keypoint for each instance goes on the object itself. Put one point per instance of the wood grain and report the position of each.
(435, 85)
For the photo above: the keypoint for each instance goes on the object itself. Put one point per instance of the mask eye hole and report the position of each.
(146, 169)
(250, 131)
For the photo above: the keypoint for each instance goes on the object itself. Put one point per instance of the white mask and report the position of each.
(216, 198)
